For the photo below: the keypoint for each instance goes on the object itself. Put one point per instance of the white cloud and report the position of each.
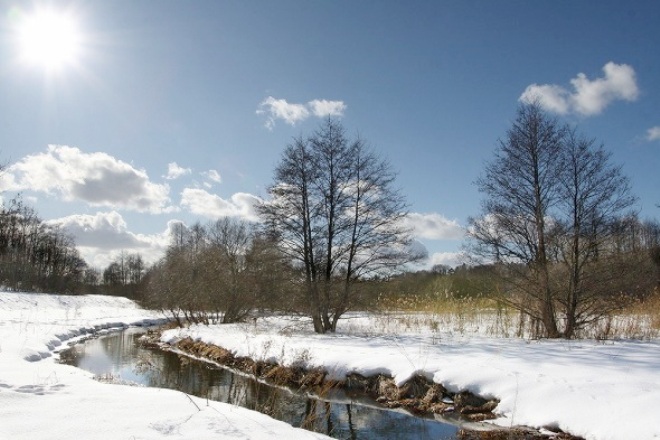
(174, 171)
(96, 178)
(434, 227)
(281, 109)
(322, 108)
(203, 203)
(553, 98)
(292, 113)
(100, 237)
(589, 97)
(212, 175)
(653, 133)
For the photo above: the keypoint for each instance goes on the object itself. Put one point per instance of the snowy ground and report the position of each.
(599, 390)
(40, 399)
(596, 389)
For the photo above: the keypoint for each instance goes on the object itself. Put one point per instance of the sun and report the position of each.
(49, 39)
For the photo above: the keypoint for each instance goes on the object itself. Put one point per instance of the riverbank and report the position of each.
(589, 389)
(40, 398)
(418, 395)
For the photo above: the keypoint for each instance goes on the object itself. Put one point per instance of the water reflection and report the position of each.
(118, 355)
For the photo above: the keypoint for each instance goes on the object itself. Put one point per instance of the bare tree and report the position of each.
(213, 272)
(593, 193)
(553, 207)
(229, 241)
(268, 273)
(175, 283)
(336, 213)
(521, 186)
(35, 255)
(124, 275)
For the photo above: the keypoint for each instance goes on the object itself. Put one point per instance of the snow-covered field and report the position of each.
(40, 399)
(595, 389)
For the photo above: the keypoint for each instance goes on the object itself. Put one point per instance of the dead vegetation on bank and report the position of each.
(418, 395)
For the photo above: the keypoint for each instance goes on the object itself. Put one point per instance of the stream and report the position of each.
(119, 357)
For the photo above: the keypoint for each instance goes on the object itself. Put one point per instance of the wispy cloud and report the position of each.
(292, 113)
(174, 171)
(434, 227)
(212, 175)
(95, 178)
(653, 133)
(201, 202)
(589, 97)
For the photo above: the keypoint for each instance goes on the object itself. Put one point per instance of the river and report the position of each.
(119, 358)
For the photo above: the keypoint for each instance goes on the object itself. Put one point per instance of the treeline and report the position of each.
(35, 256)
(229, 271)
(221, 271)
(124, 276)
(38, 257)
(634, 245)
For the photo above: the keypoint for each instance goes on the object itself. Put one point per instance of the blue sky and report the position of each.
(179, 110)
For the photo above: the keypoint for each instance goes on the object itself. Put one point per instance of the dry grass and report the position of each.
(447, 312)
(641, 320)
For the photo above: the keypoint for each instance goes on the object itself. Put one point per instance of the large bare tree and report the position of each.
(336, 213)
(552, 198)
(521, 188)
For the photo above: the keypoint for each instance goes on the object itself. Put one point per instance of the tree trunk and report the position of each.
(547, 305)
(315, 307)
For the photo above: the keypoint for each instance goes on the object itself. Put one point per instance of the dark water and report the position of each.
(119, 356)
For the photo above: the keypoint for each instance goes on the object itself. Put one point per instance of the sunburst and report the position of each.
(49, 39)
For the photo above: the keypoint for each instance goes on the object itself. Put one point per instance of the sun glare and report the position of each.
(49, 39)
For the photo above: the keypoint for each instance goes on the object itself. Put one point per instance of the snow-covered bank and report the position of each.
(34, 325)
(597, 390)
(47, 400)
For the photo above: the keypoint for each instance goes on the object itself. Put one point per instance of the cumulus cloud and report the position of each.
(212, 175)
(102, 236)
(96, 178)
(434, 227)
(174, 171)
(292, 113)
(653, 134)
(201, 202)
(588, 97)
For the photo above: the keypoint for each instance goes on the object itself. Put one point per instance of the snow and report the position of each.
(40, 398)
(600, 390)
